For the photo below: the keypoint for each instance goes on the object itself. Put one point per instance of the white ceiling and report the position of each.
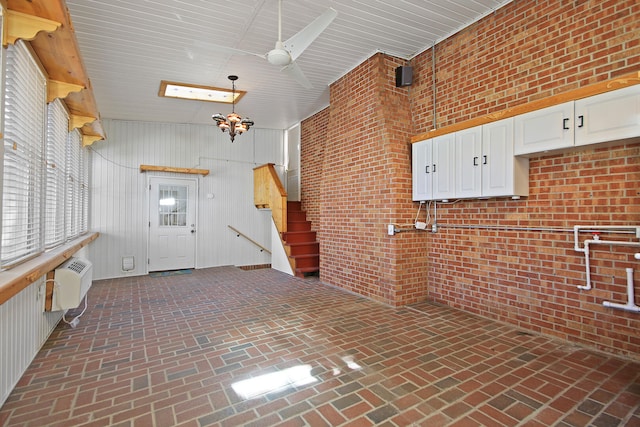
(128, 46)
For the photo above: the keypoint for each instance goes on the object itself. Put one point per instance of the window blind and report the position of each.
(73, 205)
(84, 190)
(57, 132)
(24, 134)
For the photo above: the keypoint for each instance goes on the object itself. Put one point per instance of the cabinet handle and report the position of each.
(581, 118)
(426, 169)
(484, 160)
(475, 161)
(434, 167)
(564, 124)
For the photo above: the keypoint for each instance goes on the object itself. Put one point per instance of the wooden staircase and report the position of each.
(300, 242)
(301, 247)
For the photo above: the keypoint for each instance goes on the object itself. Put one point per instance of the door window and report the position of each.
(172, 205)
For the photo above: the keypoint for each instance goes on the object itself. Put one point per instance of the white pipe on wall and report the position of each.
(586, 255)
(631, 303)
(594, 228)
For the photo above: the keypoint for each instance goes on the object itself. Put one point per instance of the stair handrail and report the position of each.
(240, 233)
(269, 193)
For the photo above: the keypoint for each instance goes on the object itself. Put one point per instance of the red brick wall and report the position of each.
(313, 133)
(366, 184)
(524, 51)
(530, 278)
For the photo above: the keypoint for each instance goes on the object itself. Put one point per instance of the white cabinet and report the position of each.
(543, 130)
(611, 116)
(443, 149)
(503, 174)
(485, 164)
(473, 163)
(433, 168)
(468, 159)
(420, 163)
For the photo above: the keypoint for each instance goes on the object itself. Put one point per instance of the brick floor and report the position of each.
(174, 350)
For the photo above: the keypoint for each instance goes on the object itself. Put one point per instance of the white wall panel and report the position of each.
(119, 209)
(23, 330)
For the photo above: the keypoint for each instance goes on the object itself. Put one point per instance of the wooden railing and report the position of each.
(269, 193)
(240, 233)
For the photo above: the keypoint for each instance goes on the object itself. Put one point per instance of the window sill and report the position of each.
(19, 277)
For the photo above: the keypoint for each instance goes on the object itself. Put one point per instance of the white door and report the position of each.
(172, 224)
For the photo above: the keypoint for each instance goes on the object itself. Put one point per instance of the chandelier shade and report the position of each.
(232, 123)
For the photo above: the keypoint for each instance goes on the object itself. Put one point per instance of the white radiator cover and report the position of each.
(72, 280)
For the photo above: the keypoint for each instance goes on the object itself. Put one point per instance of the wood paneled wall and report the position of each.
(119, 208)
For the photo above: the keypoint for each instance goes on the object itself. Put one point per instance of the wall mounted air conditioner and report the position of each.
(72, 280)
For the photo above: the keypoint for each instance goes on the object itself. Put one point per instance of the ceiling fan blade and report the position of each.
(223, 49)
(301, 40)
(295, 72)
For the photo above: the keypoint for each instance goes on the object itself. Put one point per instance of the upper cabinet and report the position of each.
(487, 156)
(485, 164)
(610, 116)
(433, 168)
(472, 163)
(469, 162)
(543, 130)
(503, 173)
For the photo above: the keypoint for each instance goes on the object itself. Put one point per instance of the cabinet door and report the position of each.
(443, 167)
(609, 116)
(421, 170)
(543, 130)
(497, 158)
(468, 182)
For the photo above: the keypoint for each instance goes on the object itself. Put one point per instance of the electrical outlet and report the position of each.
(434, 228)
(391, 229)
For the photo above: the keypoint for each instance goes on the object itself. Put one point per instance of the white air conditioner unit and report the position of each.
(72, 280)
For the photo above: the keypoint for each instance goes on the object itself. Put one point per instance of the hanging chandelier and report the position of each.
(233, 123)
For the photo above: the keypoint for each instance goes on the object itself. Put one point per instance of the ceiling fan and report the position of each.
(285, 53)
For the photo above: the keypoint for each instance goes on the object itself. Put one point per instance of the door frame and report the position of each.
(147, 217)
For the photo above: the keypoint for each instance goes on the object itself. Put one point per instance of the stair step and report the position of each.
(298, 226)
(307, 261)
(294, 206)
(296, 216)
(299, 236)
(300, 242)
(303, 248)
(302, 272)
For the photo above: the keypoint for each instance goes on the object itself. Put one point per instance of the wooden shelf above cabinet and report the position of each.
(572, 95)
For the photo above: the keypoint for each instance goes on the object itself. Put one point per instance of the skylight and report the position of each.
(197, 92)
